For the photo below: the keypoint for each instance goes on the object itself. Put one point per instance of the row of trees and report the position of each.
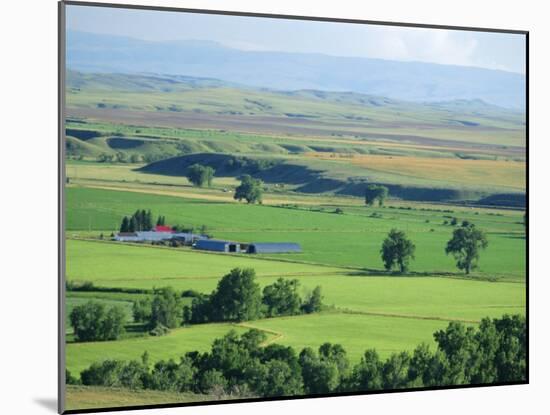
(118, 157)
(494, 352)
(93, 321)
(238, 297)
(465, 245)
(141, 220)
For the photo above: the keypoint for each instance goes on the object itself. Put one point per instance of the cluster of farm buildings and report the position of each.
(163, 233)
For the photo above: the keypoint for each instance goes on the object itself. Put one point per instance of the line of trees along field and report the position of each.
(240, 366)
(237, 298)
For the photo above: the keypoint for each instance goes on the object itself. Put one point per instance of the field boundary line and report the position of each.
(277, 335)
(409, 316)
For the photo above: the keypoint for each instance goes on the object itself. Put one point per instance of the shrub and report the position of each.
(92, 322)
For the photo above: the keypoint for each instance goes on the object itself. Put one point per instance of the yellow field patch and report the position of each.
(503, 173)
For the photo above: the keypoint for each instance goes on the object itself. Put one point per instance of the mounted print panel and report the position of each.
(263, 207)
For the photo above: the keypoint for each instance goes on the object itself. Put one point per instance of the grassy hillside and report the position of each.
(473, 122)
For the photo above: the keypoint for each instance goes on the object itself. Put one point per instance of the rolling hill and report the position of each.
(414, 81)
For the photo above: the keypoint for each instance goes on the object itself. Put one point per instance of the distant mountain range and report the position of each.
(412, 81)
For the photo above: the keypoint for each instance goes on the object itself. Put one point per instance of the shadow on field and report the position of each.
(48, 403)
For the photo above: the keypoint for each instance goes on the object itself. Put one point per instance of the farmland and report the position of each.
(357, 233)
(446, 165)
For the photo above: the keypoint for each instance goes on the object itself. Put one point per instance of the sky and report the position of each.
(452, 47)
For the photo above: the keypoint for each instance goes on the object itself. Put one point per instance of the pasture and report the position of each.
(433, 297)
(79, 356)
(356, 333)
(349, 240)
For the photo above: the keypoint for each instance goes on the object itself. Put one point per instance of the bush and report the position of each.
(200, 175)
(313, 302)
(93, 322)
(281, 298)
(159, 330)
(166, 308)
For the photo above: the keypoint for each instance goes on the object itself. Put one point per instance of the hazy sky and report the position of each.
(487, 50)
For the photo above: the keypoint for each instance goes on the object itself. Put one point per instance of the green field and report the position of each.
(403, 295)
(79, 356)
(352, 239)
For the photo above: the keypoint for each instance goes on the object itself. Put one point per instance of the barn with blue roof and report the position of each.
(217, 245)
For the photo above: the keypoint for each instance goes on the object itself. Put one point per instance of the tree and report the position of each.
(335, 354)
(70, 379)
(166, 308)
(231, 357)
(279, 380)
(200, 175)
(113, 324)
(376, 192)
(250, 190)
(92, 321)
(457, 342)
(141, 310)
(212, 380)
(237, 296)
(172, 376)
(395, 371)
(148, 220)
(465, 246)
(319, 376)
(367, 375)
(313, 302)
(397, 250)
(133, 225)
(121, 157)
(281, 298)
(125, 225)
(135, 158)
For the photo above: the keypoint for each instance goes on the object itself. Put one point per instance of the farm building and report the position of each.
(163, 228)
(188, 238)
(217, 245)
(126, 237)
(273, 247)
(145, 236)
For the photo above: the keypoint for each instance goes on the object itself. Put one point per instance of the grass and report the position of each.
(346, 111)
(111, 262)
(88, 397)
(79, 356)
(445, 171)
(356, 333)
(352, 239)
(115, 265)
